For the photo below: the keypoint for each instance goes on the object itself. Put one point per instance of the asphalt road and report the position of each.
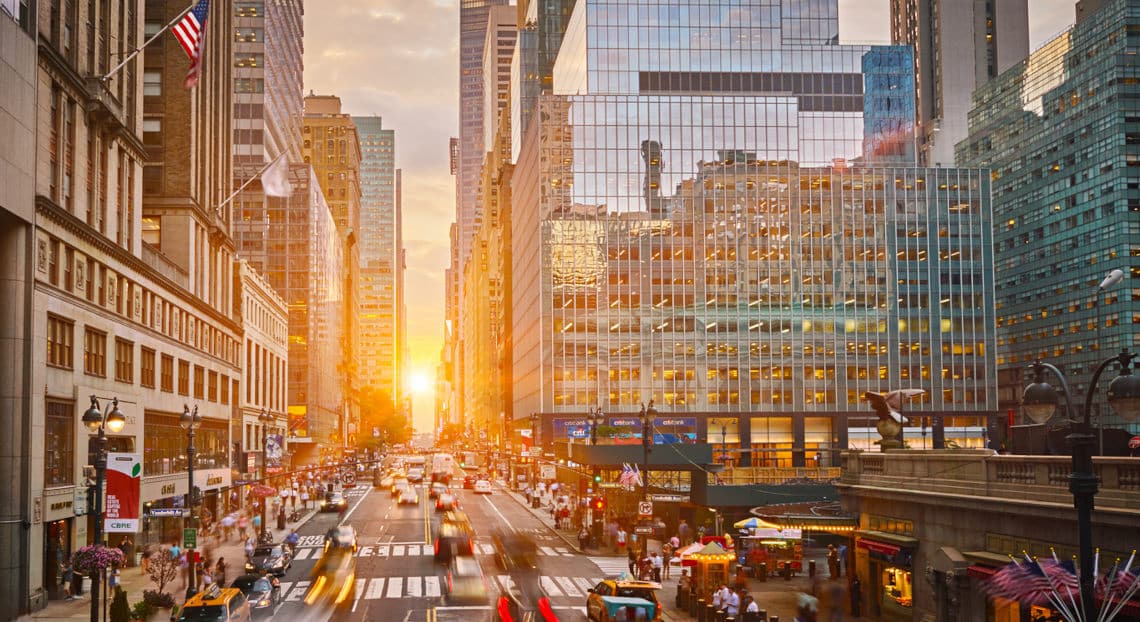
(397, 579)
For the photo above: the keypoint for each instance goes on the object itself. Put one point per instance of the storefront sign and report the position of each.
(215, 480)
(274, 449)
(168, 490)
(250, 462)
(124, 477)
(79, 503)
(549, 471)
(643, 531)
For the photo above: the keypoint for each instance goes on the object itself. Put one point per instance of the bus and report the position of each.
(442, 466)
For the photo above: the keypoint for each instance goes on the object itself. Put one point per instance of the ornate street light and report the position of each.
(595, 419)
(265, 418)
(648, 413)
(99, 421)
(1040, 401)
(190, 421)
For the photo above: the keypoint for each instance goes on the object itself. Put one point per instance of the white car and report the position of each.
(482, 487)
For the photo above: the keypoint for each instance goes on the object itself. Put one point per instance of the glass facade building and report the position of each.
(1061, 132)
(720, 211)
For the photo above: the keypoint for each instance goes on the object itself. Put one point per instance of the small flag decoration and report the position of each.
(191, 34)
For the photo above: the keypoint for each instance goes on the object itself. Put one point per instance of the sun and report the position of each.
(419, 383)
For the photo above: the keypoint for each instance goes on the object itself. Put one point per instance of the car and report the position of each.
(465, 581)
(415, 474)
(408, 496)
(446, 502)
(437, 489)
(342, 536)
(597, 607)
(483, 487)
(334, 502)
(453, 540)
(270, 559)
(457, 518)
(262, 591)
(469, 481)
(334, 578)
(514, 550)
(398, 484)
(216, 604)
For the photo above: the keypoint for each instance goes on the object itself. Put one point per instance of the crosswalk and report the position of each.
(611, 566)
(310, 547)
(432, 586)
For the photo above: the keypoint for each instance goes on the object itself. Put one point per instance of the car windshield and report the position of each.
(252, 584)
(270, 551)
(637, 592)
(204, 613)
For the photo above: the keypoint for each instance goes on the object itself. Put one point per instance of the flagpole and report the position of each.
(135, 52)
(249, 181)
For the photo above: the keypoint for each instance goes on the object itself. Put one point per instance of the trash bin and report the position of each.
(535, 502)
(281, 518)
(762, 574)
(811, 568)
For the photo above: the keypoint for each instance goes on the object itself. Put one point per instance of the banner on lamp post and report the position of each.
(124, 476)
(274, 449)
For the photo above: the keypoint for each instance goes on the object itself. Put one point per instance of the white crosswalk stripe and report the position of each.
(568, 586)
(395, 587)
(431, 586)
(611, 565)
(375, 589)
(486, 549)
(549, 586)
(303, 554)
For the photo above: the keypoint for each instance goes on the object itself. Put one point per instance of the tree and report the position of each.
(163, 568)
(378, 412)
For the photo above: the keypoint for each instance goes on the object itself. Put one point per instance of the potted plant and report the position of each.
(94, 559)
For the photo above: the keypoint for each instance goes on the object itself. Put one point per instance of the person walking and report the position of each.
(621, 536)
(67, 577)
(732, 607)
(583, 538)
(656, 561)
(114, 579)
(832, 561)
(631, 556)
(220, 570)
(666, 558)
(683, 531)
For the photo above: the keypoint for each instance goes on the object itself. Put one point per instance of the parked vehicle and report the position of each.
(262, 591)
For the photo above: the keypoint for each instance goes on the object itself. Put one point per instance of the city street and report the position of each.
(396, 577)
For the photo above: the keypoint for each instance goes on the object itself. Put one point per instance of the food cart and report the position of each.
(710, 569)
(777, 548)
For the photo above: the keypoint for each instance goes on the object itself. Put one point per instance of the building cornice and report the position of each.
(47, 208)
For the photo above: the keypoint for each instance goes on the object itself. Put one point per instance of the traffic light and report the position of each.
(598, 504)
(597, 478)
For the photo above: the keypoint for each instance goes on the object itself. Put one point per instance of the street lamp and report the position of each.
(724, 443)
(534, 430)
(190, 421)
(1040, 401)
(265, 418)
(99, 421)
(647, 415)
(595, 419)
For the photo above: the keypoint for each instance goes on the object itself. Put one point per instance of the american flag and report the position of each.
(190, 32)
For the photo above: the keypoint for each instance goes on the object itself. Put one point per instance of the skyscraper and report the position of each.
(380, 258)
(958, 47)
(752, 244)
(267, 81)
(1056, 129)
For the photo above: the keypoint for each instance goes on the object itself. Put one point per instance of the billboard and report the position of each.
(124, 476)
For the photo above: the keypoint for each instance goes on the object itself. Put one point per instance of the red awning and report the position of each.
(981, 572)
(877, 547)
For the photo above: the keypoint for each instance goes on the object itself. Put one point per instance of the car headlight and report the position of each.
(264, 602)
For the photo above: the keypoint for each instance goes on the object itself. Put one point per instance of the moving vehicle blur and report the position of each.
(408, 496)
(453, 540)
(446, 502)
(465, 582)
(262, 592)
(216, 604)
(514, 550)
(437, 488)
(270, 558)
(610, 594)
(342, 536)
(483, 487)
(333, 576)
(334, 502)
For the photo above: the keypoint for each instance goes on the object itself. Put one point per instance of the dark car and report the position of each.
(469, 481)
(343, 536)
(446, 502)
(334, 502)
(451, 541)
(437, 489)
(270, 558)
(263, 592)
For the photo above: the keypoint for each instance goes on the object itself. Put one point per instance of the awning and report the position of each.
(877, 547)
(905, 542)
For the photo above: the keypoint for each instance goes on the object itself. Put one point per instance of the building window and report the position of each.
(212, 386)
(95, 352)
(152, 131)
(152, 82)
(199, 382)
(146, 368)
(249, 85)
(225, 384)
(124, 360)
(166, 444)
(183, 377)
(59, 443)
(60, 339)
(167, 373)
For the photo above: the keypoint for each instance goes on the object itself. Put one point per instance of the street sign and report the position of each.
(167, 513)
(643, 531)
(189, 538)
(644, 508)
(549, 471)
(670, 498)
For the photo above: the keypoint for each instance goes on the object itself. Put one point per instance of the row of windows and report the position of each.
(84, 276)
(208, 384)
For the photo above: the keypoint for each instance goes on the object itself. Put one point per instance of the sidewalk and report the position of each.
(134, 581)
(543, 515)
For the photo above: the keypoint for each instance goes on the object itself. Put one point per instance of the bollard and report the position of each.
(811, 568)
(720, 615)
(774, 619)
(764, 571)
(710, 613)
(763, 615)
(787, 572)
(730, 619)
(701, 611)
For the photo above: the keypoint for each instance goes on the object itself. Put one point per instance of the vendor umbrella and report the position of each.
(748, 523)
(685, 553)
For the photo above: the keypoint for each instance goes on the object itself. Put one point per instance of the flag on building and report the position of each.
(275, 178)
(630, 477)
(191, 33)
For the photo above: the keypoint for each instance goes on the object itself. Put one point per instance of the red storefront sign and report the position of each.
(877, 547)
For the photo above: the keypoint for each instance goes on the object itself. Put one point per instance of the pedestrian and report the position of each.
(717, 600)
(631, 556)
(683, 531)
(220, 570)
(656, 561)
(305, 498)
(684, 585)
(833, 561)
(248, 548)
(127, 546)
(751, 609)
(732, 607)
(583, 538)
(856, 597)
(666, 559)
(114, 579)
(621, 535)
(67, 577)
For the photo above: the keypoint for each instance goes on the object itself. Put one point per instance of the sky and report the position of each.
(399, 59)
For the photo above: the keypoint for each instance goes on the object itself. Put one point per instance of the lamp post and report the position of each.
(724, 443)
(99, 421)
(190, 421)
(647, 415)
(595, 419)
(534, 430)
(1040, 401)
(265, 418)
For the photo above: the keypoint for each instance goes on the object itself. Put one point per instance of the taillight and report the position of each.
(437, 547)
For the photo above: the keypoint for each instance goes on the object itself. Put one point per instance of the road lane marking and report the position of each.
(486, 549)
(375, 589)
(395, 587)
(561, 550)
(549, 586)
(505, 521)
(303, 554)
(398, 550)
(365, 551)
(431, 586)
(353, 508)
(584, 584)
(297, 592)
(414, 587)
(568, 586)
(546, 550)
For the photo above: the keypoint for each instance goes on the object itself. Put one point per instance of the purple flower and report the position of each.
(95, 558)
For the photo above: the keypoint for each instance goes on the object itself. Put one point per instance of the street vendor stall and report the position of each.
(774, 549)
(710, 569)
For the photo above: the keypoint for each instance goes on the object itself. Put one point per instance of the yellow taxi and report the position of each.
(216, 604)
(609, 595)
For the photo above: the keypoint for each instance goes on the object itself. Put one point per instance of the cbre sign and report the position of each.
(124, 476)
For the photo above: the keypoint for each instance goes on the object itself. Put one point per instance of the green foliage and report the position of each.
(158, 600)
(378, 410)
(120, 610)
(141, 611)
